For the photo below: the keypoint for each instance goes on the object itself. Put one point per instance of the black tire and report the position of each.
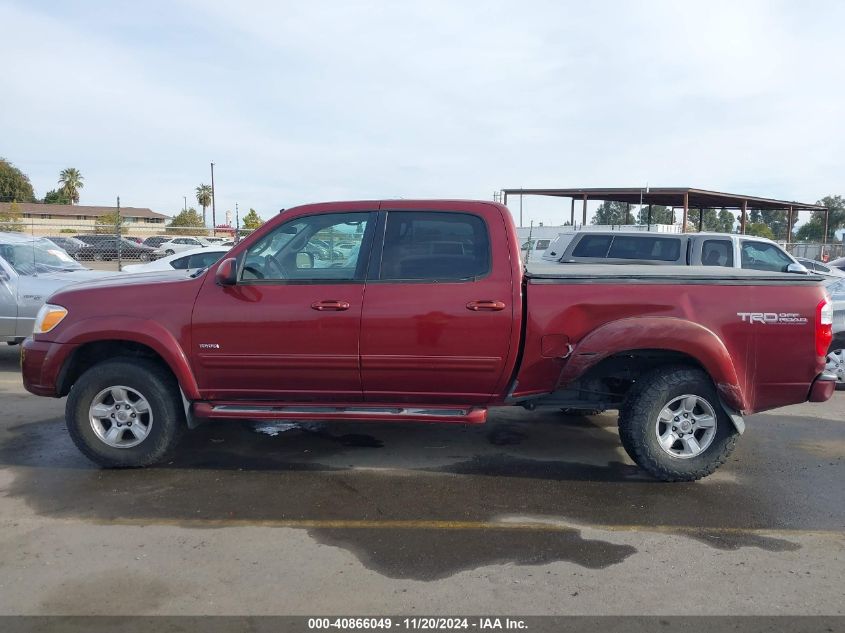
(638, 419)
(161, 391)
(98, 257)
(143, 257)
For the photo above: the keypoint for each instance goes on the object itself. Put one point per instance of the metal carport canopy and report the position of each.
(685, 197)
(671, 197)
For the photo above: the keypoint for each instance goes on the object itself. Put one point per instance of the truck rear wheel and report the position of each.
(673, 426)
(125, 414)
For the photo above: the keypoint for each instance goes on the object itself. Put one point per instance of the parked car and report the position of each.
(406, 333)
(71, 245)
(179, 244)
(725, 250)
(836, 352)
(820, 268)
(215, 240)
(837, 263)
(108, 247)
(31, 269)
(186, 260)
(157, 240)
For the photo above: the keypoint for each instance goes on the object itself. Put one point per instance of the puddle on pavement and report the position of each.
(334, 472)
(732, 541)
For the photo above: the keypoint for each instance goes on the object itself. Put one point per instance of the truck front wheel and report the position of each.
(125, 414)
(673, 426)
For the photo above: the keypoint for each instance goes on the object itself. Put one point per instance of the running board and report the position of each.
(350, 413)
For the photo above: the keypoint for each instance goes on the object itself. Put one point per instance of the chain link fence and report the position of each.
(816, 251)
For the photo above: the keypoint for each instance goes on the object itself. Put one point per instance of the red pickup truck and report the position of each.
(422, 311)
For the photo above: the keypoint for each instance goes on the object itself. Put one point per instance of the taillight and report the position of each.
(824, 326)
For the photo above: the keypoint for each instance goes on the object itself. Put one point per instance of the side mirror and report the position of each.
(304, 260)
(797, 268)
(227, 272)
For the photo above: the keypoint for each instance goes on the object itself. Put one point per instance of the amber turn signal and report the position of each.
(49, 316)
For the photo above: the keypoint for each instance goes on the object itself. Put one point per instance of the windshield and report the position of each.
(31, 259)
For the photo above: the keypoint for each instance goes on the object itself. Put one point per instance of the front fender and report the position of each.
(659, 333)
(143, 331)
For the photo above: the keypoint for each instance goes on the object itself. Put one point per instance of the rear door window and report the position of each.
(665, 249)
(592, 246)
(434, 246)
(717, 253)
(203, 260)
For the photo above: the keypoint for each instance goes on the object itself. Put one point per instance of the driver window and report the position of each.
(763, 256)
(313, 248)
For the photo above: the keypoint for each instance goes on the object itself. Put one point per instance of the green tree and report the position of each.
(775, 220)
(727, 221)
(55, 196)
(610, 213)
(184, 220)
(721, 221)
(810, 231)
(760, 229)
(252, 220)
(10, 218)
(836, 209)
(14, 184)
(659, 215)
(71, 181)
(108, 223)
(204, 199)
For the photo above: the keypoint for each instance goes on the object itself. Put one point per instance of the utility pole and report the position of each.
(237, 224)
(185, 198)
(119, 240)
(213, 206)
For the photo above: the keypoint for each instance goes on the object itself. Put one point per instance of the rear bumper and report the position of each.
(41, 364)
(822, 388)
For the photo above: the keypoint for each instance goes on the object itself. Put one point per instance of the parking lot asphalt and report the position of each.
(532, 513)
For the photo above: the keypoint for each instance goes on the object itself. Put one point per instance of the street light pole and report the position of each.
(213, 206)
(185, 207)
(237, 224)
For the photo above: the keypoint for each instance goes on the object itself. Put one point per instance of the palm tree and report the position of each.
(71, 181)
(203, 199)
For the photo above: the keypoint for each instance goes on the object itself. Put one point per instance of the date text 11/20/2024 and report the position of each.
(417, 623)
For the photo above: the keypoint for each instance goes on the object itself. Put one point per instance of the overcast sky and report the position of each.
(309, 101)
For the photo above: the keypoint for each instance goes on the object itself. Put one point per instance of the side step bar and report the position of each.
(350, 413)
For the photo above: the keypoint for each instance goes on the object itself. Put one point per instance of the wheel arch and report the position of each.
(677, 340)
(93, 343)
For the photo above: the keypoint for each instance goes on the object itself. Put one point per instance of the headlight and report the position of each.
(49, 316)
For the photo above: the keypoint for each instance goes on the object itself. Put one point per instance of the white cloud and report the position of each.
(309, 101)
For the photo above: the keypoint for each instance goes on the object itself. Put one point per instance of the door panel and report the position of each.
(288, 330)
(254, 341)
(437, 318)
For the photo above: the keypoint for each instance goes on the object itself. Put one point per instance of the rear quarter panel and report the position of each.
(756, 365)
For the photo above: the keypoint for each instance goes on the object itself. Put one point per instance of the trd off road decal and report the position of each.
(769, 318)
